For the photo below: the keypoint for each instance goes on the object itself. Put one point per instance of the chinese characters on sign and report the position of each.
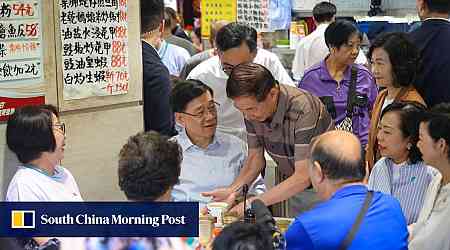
(21, 63)
(254, 13)
(94, 37)
(216, 10)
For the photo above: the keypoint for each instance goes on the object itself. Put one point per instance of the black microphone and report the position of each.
(244, 193)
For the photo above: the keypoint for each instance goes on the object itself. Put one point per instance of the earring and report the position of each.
(409, 146)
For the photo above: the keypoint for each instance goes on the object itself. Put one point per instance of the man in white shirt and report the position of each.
(236, 44)
(312, 49)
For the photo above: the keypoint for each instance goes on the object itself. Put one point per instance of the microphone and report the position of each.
(244, 193)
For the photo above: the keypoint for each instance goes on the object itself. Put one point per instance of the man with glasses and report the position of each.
(236, 44)
(210, 159)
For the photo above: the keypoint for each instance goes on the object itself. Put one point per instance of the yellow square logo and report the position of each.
(22, 219)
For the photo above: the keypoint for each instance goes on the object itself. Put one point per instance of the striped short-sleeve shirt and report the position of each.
(408, 183)
(299, 117)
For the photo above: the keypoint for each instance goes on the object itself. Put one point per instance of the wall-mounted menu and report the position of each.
(94, 35)
(254, 13)
(21, 55)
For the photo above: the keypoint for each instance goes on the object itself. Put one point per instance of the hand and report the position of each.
(239, 208)
(221, 194)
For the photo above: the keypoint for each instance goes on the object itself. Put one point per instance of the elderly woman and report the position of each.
(395, 65)
(432, 230)
(401, 172)
(36, 136)
(347, 89)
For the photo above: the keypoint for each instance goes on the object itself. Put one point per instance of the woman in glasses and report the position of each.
(401, 171)
(36, 135)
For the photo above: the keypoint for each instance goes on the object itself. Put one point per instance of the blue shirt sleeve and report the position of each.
(297, 238)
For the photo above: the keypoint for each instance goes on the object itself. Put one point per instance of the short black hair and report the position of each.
(250, 79)
(324, 12)
(338, 33)
(411, 114)
(149, 165)
(439, 6)
(243, 236)
(403, 54)
(29, 132)
(233, 35)
(185, 91)
(438, 126)
(339, 167)
(152, 13)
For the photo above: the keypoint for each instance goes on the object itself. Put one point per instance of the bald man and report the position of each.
(337, 170)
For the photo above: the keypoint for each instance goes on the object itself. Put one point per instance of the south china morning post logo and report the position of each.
(99, 219)
(23, 219)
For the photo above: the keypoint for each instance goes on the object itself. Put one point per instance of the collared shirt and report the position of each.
(217, 166)
(433, 234)
(319, 82)
(312, 49)
(230, 120)
(326, 225)
(408, 183)
(174, 57)
(299, 117)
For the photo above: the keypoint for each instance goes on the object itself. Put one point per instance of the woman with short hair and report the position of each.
(37, 137)
(395, 65)
(331, 80)
(432, 230)
(401, 171)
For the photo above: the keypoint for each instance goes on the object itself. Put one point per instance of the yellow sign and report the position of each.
(215, 10)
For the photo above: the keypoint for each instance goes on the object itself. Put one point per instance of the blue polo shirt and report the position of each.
(326, 225)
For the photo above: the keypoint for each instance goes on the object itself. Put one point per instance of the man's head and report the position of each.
(215, 27)
(254, 91)
(324, 12)
(236, 44)
(170, 19)
(149, 166)
(336, 158)
(432, 8)
(152, 16)
(195, 109)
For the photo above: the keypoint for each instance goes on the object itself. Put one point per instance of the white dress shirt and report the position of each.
(312, 49)
(231, 120)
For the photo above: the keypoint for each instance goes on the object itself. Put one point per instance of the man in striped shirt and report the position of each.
(281, 120)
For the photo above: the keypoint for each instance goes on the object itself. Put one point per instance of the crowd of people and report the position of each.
(361, 142)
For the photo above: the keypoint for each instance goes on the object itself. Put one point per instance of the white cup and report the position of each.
(217, 209)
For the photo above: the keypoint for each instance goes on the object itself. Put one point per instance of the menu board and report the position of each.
(94, 36)
(216, 10)
(21, 56)
(255, 13)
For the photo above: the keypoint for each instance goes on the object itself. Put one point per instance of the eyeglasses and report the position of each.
(60, 126)
(211, 108)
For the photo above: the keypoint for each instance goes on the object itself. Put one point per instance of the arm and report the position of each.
(296, 183)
